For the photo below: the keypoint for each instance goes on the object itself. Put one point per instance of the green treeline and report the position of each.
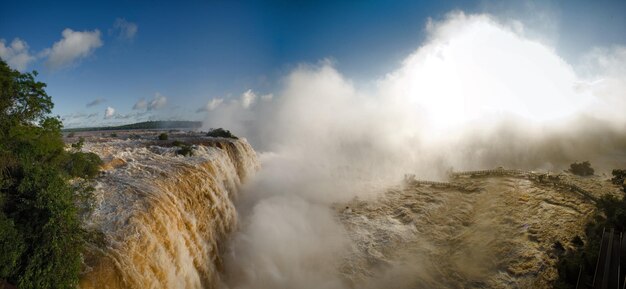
(43, 188)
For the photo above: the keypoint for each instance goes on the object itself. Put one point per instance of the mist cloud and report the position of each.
(605, 71)
(476, 95)
(471, 72)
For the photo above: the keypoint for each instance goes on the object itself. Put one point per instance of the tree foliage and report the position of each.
(41, 238)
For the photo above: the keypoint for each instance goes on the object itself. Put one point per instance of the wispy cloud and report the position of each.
(136, 116)
(158, 102)
(246, 101)
(124, 29)
(95, 102)
(79, 119)
(16, 54)
(211, 105)
(141, 104)
(74, 46)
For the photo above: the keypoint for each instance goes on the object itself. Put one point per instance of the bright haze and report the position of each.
(340, 99)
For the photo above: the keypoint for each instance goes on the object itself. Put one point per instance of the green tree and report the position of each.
(41, 238)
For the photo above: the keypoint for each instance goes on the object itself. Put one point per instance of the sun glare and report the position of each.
(475, 71)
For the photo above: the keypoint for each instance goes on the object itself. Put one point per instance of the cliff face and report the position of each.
(163, 216)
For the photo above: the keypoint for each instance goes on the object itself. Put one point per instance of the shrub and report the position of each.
(177, 143)
(581, 169)
(618, 178)
(163, 136)
(71, 134)
(220, 132)
(113, 135)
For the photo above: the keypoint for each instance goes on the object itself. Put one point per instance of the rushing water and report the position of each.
(163, 216)
(165, 221)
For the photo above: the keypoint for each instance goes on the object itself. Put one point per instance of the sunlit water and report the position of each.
(164, 216)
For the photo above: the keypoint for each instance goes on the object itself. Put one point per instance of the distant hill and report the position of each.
(177, 124)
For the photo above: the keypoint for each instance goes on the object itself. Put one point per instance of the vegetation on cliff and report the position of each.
(41, 238)
(220, 132)
(610, 213)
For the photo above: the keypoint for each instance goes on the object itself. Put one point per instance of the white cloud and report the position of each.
(267, 97)
(124, 29)
(158, 102)
(16, 54)
(248, 98)
(74, 46)
(140, 104)
(109, 112)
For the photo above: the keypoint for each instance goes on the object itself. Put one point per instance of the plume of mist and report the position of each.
(477, 94)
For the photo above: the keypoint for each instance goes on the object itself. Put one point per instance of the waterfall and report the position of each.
(163, 216)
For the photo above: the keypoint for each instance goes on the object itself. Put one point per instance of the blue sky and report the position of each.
(177, 56)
